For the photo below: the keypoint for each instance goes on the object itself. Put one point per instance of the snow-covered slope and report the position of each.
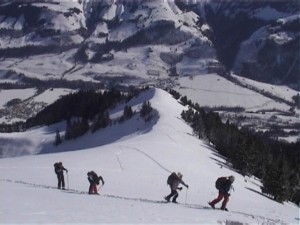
(164, 43)
(257, 109)
(261, 105)
(174, 37)
(76, 36)
(135, 168)
(258, 39)
(276, 47)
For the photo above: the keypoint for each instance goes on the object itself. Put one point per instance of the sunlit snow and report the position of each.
(135, 166)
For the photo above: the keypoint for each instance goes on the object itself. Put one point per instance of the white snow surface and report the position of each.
(203, 88)
(134, 159)
(8, 95)
(51, 95)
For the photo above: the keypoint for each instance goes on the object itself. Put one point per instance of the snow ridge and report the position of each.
(133, 192)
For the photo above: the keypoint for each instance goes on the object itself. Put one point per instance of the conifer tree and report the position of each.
(102, 120)
(68, 133)
(127, 113)
(276, 180)
(57, 138)
(146, 111)
(251, 152)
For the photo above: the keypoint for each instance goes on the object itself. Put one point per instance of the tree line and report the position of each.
(86, 104)
(87, 110)
(82, 104)
(277, 164)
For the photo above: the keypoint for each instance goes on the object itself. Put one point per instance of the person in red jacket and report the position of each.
(223, 184)
(94, 181)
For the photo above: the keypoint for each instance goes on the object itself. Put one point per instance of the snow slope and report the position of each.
(203, 89)
(135, 166)
(8, 95)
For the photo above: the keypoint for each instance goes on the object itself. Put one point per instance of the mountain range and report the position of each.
(168, 44)
(255, 39)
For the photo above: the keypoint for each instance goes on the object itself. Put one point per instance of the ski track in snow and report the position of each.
(147, 155)
(135, 179)
(192, 206)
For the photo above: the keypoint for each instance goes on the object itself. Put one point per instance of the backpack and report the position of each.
(96, 179)
(56, 167)
(93, 177)
(171, 178)
(220, 181)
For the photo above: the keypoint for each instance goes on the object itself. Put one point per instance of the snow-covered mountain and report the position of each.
(184, 45)
(203, 49)
(135, 166)
(171, 37)
(255, 39)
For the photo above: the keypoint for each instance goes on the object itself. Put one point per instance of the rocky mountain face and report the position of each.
(256, 39)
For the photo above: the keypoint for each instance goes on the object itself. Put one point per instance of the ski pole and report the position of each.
(99, 187)
(68, 181)
(186, 195)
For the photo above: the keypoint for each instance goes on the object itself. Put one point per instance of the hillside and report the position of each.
(92, 39)
(135, 166)
(245, 102)
(224, 55)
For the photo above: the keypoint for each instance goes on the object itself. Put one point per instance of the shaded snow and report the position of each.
(269, 13)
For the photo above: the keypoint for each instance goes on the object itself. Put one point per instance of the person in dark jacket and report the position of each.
(94, 181)
(174, 187)
(224, 188)
(59, 170)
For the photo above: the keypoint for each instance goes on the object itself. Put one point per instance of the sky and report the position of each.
(134, 159)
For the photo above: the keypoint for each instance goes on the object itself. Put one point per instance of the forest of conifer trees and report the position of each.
(251, 153)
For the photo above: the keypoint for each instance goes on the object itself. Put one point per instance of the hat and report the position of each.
(179, 175)
(231, 178)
